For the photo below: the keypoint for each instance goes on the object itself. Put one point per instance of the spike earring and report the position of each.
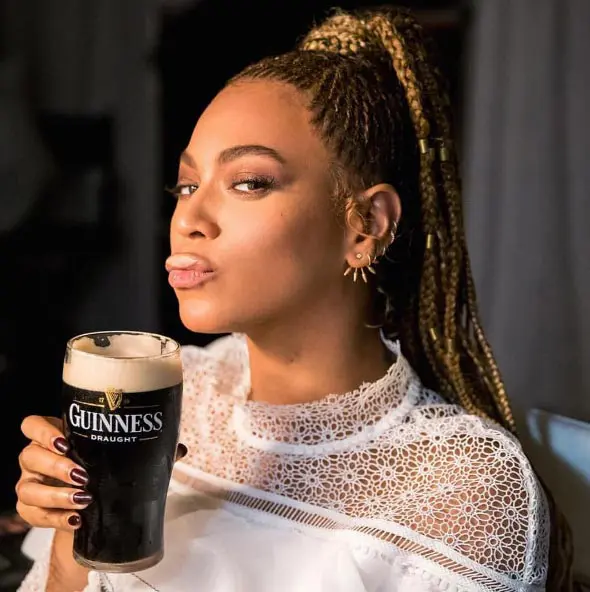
(370, 265)
(361, 270)
(355, 270)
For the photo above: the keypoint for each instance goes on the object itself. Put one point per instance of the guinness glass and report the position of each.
(121, 409)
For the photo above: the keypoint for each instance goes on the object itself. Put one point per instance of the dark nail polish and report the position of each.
(181, 451)
(79, 476)
(82, 497)
(61, 445)
(74, 520)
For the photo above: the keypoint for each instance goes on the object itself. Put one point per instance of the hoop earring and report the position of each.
(393, 231)
(392, 234)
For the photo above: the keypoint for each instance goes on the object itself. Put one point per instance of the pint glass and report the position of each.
(122, 395)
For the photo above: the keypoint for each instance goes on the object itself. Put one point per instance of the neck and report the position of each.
(293, 365)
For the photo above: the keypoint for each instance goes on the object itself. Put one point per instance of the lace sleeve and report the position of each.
(40, 549)
(36, 579)
(502, 506)
(472, 502)
(37, 546)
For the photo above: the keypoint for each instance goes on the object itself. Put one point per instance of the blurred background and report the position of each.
(98, 99)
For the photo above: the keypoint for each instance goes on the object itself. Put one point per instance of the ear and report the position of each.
(371, 219)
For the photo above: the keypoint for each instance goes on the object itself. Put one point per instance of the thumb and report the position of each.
(181, 451)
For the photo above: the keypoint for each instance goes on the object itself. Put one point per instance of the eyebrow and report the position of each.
(236, 152)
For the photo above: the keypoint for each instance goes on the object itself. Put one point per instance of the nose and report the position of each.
(194, 217)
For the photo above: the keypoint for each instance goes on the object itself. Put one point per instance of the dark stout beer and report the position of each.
(121, 409)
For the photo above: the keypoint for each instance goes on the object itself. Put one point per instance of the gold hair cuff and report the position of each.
(423, 144)
(444, 153)
(429, 241)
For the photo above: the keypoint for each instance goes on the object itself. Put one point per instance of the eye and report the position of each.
(254, 185)
(182, 190)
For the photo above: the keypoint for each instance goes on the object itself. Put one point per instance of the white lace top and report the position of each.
(387, 488)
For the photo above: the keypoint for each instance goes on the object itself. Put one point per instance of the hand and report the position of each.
(50, 491)
(50, 488)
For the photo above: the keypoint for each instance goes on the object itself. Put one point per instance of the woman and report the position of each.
(353, 432)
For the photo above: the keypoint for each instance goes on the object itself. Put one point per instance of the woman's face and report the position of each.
(255, 238)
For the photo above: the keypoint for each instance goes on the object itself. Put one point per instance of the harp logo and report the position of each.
(114, 398)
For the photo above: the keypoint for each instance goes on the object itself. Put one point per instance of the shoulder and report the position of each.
(470, 487)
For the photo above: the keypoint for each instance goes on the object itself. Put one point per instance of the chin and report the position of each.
(202, 317)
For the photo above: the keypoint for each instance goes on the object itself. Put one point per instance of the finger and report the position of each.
(181, 451)
(38, 460)
(32, 492)
(46, 518)
(45, 431)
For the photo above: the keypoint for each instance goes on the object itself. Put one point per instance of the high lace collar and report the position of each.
(333, 421)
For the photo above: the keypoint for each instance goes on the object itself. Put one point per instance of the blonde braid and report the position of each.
(457, 248)
(437, 322)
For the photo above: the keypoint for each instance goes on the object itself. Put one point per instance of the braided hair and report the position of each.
(381, 107)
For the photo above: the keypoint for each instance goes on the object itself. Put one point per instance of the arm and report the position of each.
(470, 505)
(65, 574)
(494, 511)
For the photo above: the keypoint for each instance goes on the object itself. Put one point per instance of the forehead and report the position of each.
(270, 113)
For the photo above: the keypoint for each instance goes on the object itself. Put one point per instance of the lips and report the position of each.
(186, 270)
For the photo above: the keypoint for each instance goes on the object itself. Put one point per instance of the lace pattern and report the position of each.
(334, 417)
(36, 579)
(391, 454)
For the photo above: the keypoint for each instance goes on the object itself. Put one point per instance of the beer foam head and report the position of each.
(132, 362)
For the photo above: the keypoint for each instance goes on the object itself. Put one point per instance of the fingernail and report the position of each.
(61, 444)
(82, 498)
(79, 476)
(182, 451)
(74, 520)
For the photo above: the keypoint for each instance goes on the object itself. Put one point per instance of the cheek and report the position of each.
(270, 261)
(286, 244)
